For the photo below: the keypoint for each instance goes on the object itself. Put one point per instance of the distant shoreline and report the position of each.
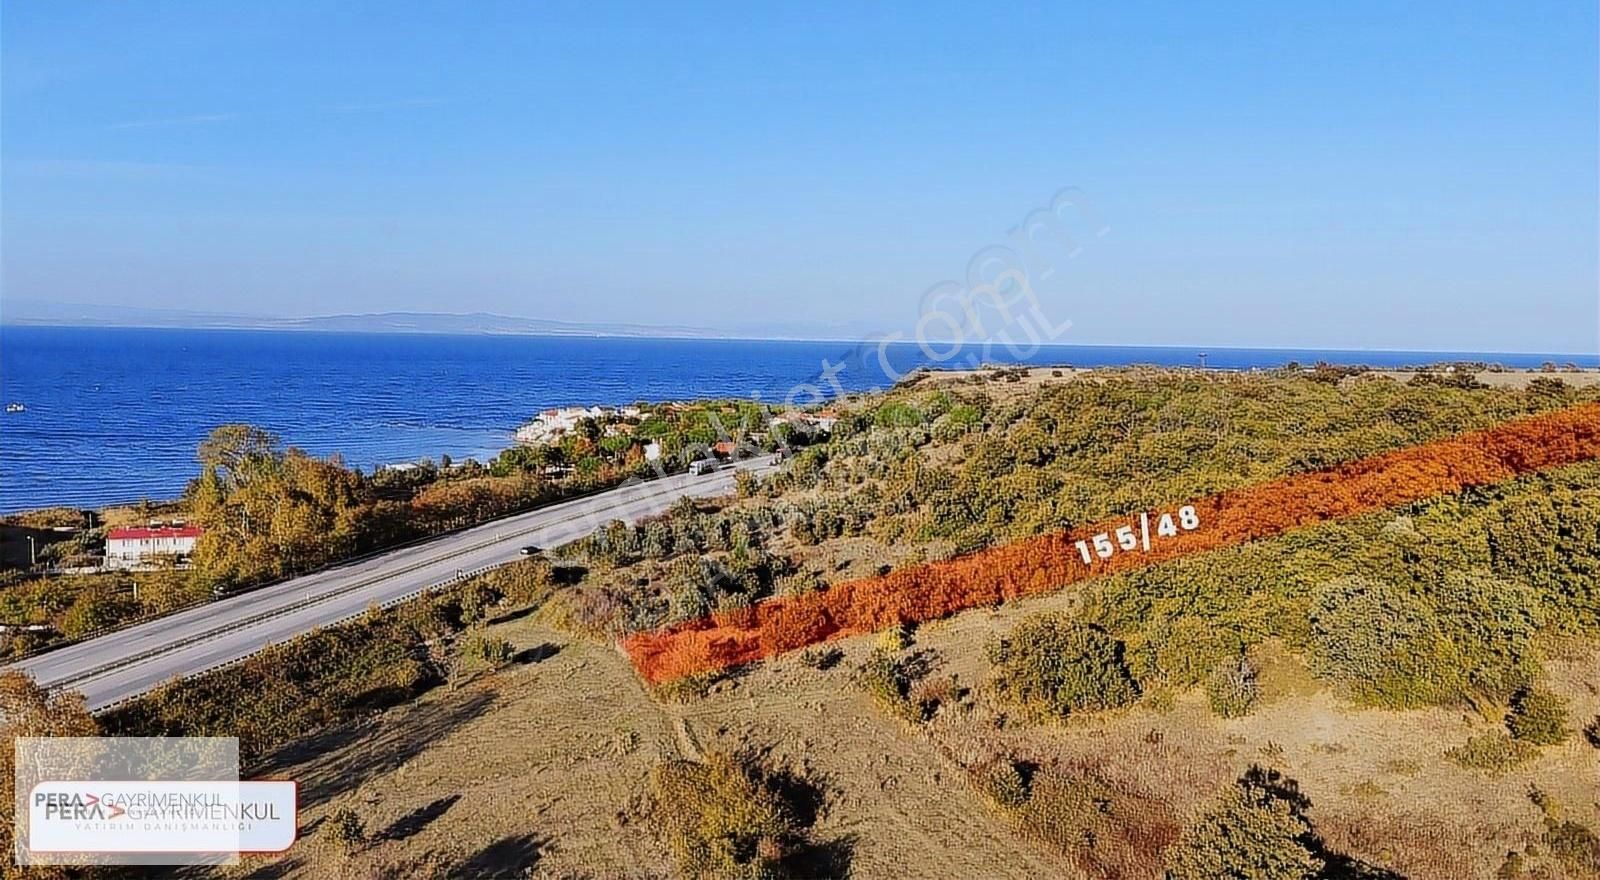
(1034, 374)
(666, 335)
(115, 413)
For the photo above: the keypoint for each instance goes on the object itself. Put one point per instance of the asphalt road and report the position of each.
(126, 663)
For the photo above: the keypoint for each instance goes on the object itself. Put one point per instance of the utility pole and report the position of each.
(33, 553)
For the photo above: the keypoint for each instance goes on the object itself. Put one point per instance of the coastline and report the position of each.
(1032, 374)
(668, 334)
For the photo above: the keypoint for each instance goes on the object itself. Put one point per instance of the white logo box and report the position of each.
(135, 816)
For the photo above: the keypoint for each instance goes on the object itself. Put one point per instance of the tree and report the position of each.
(28, 710)
(238, 453)
(1257, 830)
(724, 818)
(1057, 666)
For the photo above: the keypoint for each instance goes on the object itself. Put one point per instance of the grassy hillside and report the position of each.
(1410, 692)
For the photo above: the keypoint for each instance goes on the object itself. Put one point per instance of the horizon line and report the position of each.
(711, 336)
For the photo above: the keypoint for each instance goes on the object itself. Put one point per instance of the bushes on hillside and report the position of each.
(1493, 751)
(346, 833)
(1552, 541)
(1004, 782)
(1054, 665)
(726, 818)
(1382, 643)
(28, 710)
(1050, 562)
(1232, 688)
(887, 678)
(1492, 623)
(289, 690)
(484, 653)
(1538, 716)
(329, 675)
(1256, 829)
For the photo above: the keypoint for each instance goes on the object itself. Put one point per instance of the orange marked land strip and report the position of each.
(1050, 562)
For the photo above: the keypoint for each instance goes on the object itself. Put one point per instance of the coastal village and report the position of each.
(552, 426)
(87, 570)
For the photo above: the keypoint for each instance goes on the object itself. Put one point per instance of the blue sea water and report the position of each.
(115, 414)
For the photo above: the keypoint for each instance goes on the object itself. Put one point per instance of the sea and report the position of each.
(112, 415)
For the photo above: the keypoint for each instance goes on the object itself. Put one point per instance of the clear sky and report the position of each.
(1387, 175)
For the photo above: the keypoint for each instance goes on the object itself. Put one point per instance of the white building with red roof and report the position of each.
(132, 547)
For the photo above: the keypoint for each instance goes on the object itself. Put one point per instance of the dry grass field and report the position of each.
(543, 768)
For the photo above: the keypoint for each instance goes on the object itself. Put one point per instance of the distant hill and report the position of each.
(39, 313)
(24, 312)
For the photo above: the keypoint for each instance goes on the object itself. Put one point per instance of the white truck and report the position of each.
(703, 466)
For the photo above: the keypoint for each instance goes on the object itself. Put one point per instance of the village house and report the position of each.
(820, 421)
(550, 425)
(138, 546)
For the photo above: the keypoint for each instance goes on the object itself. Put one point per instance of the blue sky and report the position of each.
(1338, 175)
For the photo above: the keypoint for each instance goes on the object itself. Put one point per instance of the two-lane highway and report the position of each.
(126, 663)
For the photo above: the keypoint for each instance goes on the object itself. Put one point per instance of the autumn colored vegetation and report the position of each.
(271, 511)
(331, 675)
(731, 817)
(1051, 561)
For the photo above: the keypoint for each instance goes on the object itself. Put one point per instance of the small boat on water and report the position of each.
(15, 407)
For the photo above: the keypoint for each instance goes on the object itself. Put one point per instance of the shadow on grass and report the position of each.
(338, 760)
(508, 857)
(822, 860)
(537, 653)
(418, 819)
(514, 614)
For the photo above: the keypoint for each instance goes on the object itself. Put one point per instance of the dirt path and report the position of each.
(547, 763)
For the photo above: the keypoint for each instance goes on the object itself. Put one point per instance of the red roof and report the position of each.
(134, 534)
(723, 447)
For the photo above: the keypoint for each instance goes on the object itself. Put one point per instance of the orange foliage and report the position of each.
(1050, 562)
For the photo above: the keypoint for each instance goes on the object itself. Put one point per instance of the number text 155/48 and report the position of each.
(1137, 536)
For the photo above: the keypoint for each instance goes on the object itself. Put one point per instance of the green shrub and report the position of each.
(897, 414)
(895, 638)
(1183, 651)
(1003, 782)
(821, 657)
(723, 818)
(477, 598)
(1382, 644)
(1232, 688)
(885, 676)
(1539, 717)
(687, 602)
(481, 652)
(346, 832)
(688, 688)
(1492, 623)
(524, 582)
(96, 609)
(1055, 666)
(1493, 751)
(1256, 830)
(1574, 844)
